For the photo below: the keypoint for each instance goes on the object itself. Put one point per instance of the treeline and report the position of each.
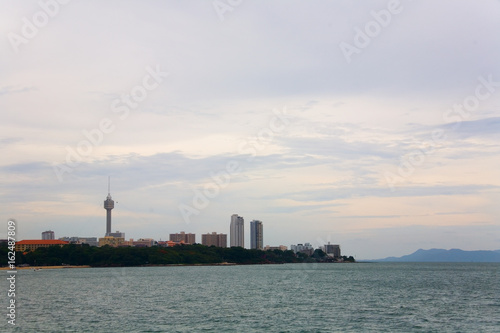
(107, 256)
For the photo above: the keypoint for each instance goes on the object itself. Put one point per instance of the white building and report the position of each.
(237, 231)
(303, 248)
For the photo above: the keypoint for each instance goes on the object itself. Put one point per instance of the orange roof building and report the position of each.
(33, 244)
(170, 243)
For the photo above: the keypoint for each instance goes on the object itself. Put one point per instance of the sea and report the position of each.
(318, 297)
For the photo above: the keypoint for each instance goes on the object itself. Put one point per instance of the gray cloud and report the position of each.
(338, 193)
(14, 90)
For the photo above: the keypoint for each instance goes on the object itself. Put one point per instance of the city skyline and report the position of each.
(330, 121)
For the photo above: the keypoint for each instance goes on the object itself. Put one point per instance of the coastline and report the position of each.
(42, 267)
(88, 266)
(165, 265)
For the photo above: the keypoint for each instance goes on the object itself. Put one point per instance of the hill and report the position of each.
(441, 255)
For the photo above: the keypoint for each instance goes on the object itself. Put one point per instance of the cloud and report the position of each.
(338, 193)
(6, 90)
(485, 127)
(10, 141)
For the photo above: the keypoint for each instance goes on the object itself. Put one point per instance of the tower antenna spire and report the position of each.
(109, 204)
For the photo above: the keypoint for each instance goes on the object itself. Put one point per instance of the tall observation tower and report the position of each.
(109, 204)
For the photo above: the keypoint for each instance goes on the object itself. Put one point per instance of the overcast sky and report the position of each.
(369, 124)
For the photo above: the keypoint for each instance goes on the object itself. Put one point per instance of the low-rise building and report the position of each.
(92, 241)
(33, 244)
(111, 241)
(116, 234)
(169, 243)
(141, 242)
(281, 247)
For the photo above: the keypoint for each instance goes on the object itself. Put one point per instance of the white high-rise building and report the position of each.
(256, 235)
(237, 231)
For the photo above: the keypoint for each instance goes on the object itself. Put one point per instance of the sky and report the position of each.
(369, 124)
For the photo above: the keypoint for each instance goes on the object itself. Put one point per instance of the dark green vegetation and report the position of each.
(107, 256)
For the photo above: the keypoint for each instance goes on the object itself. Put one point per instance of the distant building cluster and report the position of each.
(271, 248)
(111, 241)
(302, 248)
(331, 250)
(92, 241)
(237, 238)
(141, 242)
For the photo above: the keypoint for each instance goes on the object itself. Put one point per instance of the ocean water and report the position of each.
(361, 297)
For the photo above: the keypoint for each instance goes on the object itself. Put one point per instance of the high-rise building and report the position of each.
(237, 231)
(109, 204)
(256, 235)
(47, 235)
(183, 237)
(219, 240)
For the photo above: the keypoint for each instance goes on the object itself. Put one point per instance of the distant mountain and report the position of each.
(441, 255)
